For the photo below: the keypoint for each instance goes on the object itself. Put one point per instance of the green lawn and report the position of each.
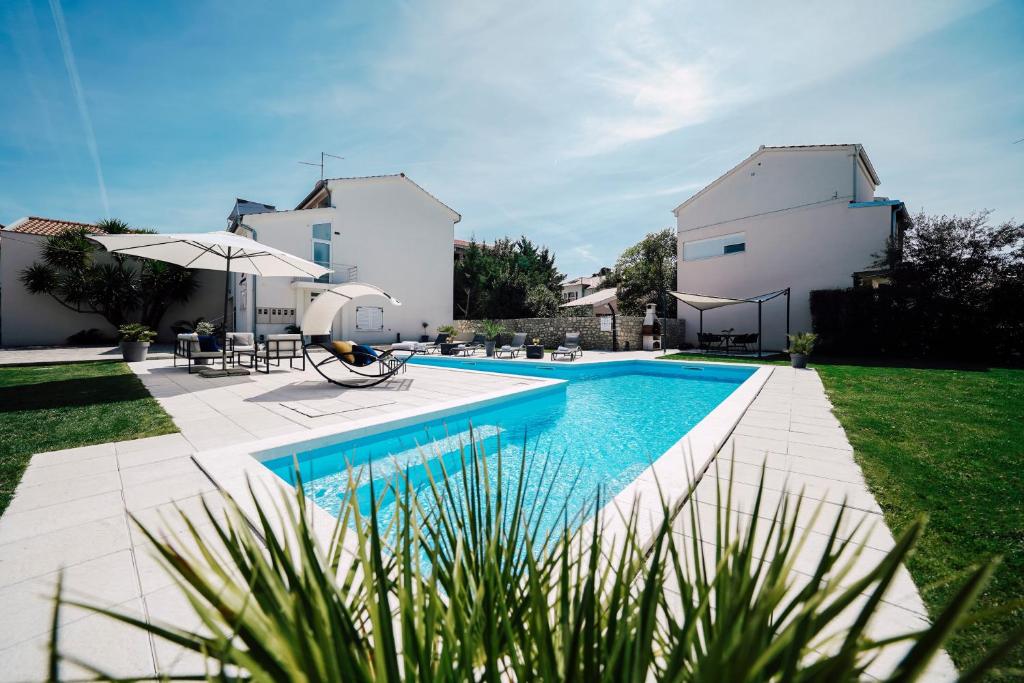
(948, 443)
(50, 407)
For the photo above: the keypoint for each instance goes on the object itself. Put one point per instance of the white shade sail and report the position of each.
(212, 251)
(320, 315)
(704, 302)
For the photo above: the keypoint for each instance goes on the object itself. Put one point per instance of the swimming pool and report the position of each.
(602, 426)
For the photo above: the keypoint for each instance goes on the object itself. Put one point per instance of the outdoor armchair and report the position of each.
(280, 347)
(187, 347)
(241, 344)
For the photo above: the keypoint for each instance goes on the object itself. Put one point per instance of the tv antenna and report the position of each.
(323, 157)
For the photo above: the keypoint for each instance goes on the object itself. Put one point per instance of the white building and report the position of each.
(579, 287)
(804, 217)
(386, 230)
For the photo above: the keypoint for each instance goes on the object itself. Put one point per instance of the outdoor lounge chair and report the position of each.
(435, 346)
(280, 347)
(422, 347)
(512, 350)
(745, 341)
(469, 348)
(372, 366)
(570, 349)
(188, 348)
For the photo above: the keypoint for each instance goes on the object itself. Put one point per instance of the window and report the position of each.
(322, 248)
(369, 318)
(714, 246)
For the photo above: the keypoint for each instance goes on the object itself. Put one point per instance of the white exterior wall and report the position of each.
(398, 237)
(37, 320)
(289, 231)
(777, 180)
(817, 246)
(34, 319)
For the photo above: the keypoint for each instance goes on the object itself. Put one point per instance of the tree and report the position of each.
(509, 279)
(472, 274)
(119, 288)
(959, 279)
(644, 272)
(955, 283)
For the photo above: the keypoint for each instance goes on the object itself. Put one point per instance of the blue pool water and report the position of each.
(602, 428)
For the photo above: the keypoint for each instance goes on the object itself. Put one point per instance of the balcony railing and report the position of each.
(341, 273)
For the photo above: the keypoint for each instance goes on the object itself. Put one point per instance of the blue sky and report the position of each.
(581, 125)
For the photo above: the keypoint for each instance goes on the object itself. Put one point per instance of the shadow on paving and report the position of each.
(66, 393)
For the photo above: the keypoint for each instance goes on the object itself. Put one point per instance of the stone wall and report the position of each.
(551, 331)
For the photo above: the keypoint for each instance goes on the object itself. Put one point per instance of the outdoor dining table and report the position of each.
(727, 337)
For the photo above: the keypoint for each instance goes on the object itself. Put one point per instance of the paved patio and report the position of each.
(71, 509)
(39, 355)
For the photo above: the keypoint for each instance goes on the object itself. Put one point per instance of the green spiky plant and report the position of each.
(462, 585)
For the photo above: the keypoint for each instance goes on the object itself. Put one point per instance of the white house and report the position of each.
(804, 217)
(579, 287)
(38, 320)
(386, 230)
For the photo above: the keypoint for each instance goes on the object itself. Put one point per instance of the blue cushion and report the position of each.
(364, 354)
(207, 342)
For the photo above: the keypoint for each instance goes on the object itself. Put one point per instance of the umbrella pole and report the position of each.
(227, 289)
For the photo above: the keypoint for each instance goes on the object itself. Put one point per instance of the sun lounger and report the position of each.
(570, 349)
(512, 350)
(371, 366)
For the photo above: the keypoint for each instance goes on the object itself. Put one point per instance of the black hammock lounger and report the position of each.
(372, 370)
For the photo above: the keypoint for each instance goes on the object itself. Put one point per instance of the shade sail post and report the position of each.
(759, 335)
(786, 345)
(615, 331)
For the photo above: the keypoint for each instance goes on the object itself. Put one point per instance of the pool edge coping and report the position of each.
(670, 477)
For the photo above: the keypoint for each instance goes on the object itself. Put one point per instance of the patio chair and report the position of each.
(570, 349)
(372, 366)
(745, 341)
(705, 340)
(512, 350)
(280, 347)
(189, 348)
(241, 344)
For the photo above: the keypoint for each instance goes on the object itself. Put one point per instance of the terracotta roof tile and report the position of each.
(48, 227)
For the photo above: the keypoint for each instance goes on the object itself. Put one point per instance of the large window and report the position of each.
(715, 246)
(322, 248)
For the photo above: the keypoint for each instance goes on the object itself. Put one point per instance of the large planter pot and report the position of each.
(798, 360)
(134, 352)
(489, 348)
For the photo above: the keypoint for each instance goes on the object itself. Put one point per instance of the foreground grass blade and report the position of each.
(468, 580)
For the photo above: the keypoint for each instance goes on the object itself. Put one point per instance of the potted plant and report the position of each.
(424, 337)
(204, 328)
(447, 329)
(491, 330)
(135, 340)
(801, 345)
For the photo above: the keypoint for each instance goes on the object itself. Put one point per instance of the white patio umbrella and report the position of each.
(219, 250)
